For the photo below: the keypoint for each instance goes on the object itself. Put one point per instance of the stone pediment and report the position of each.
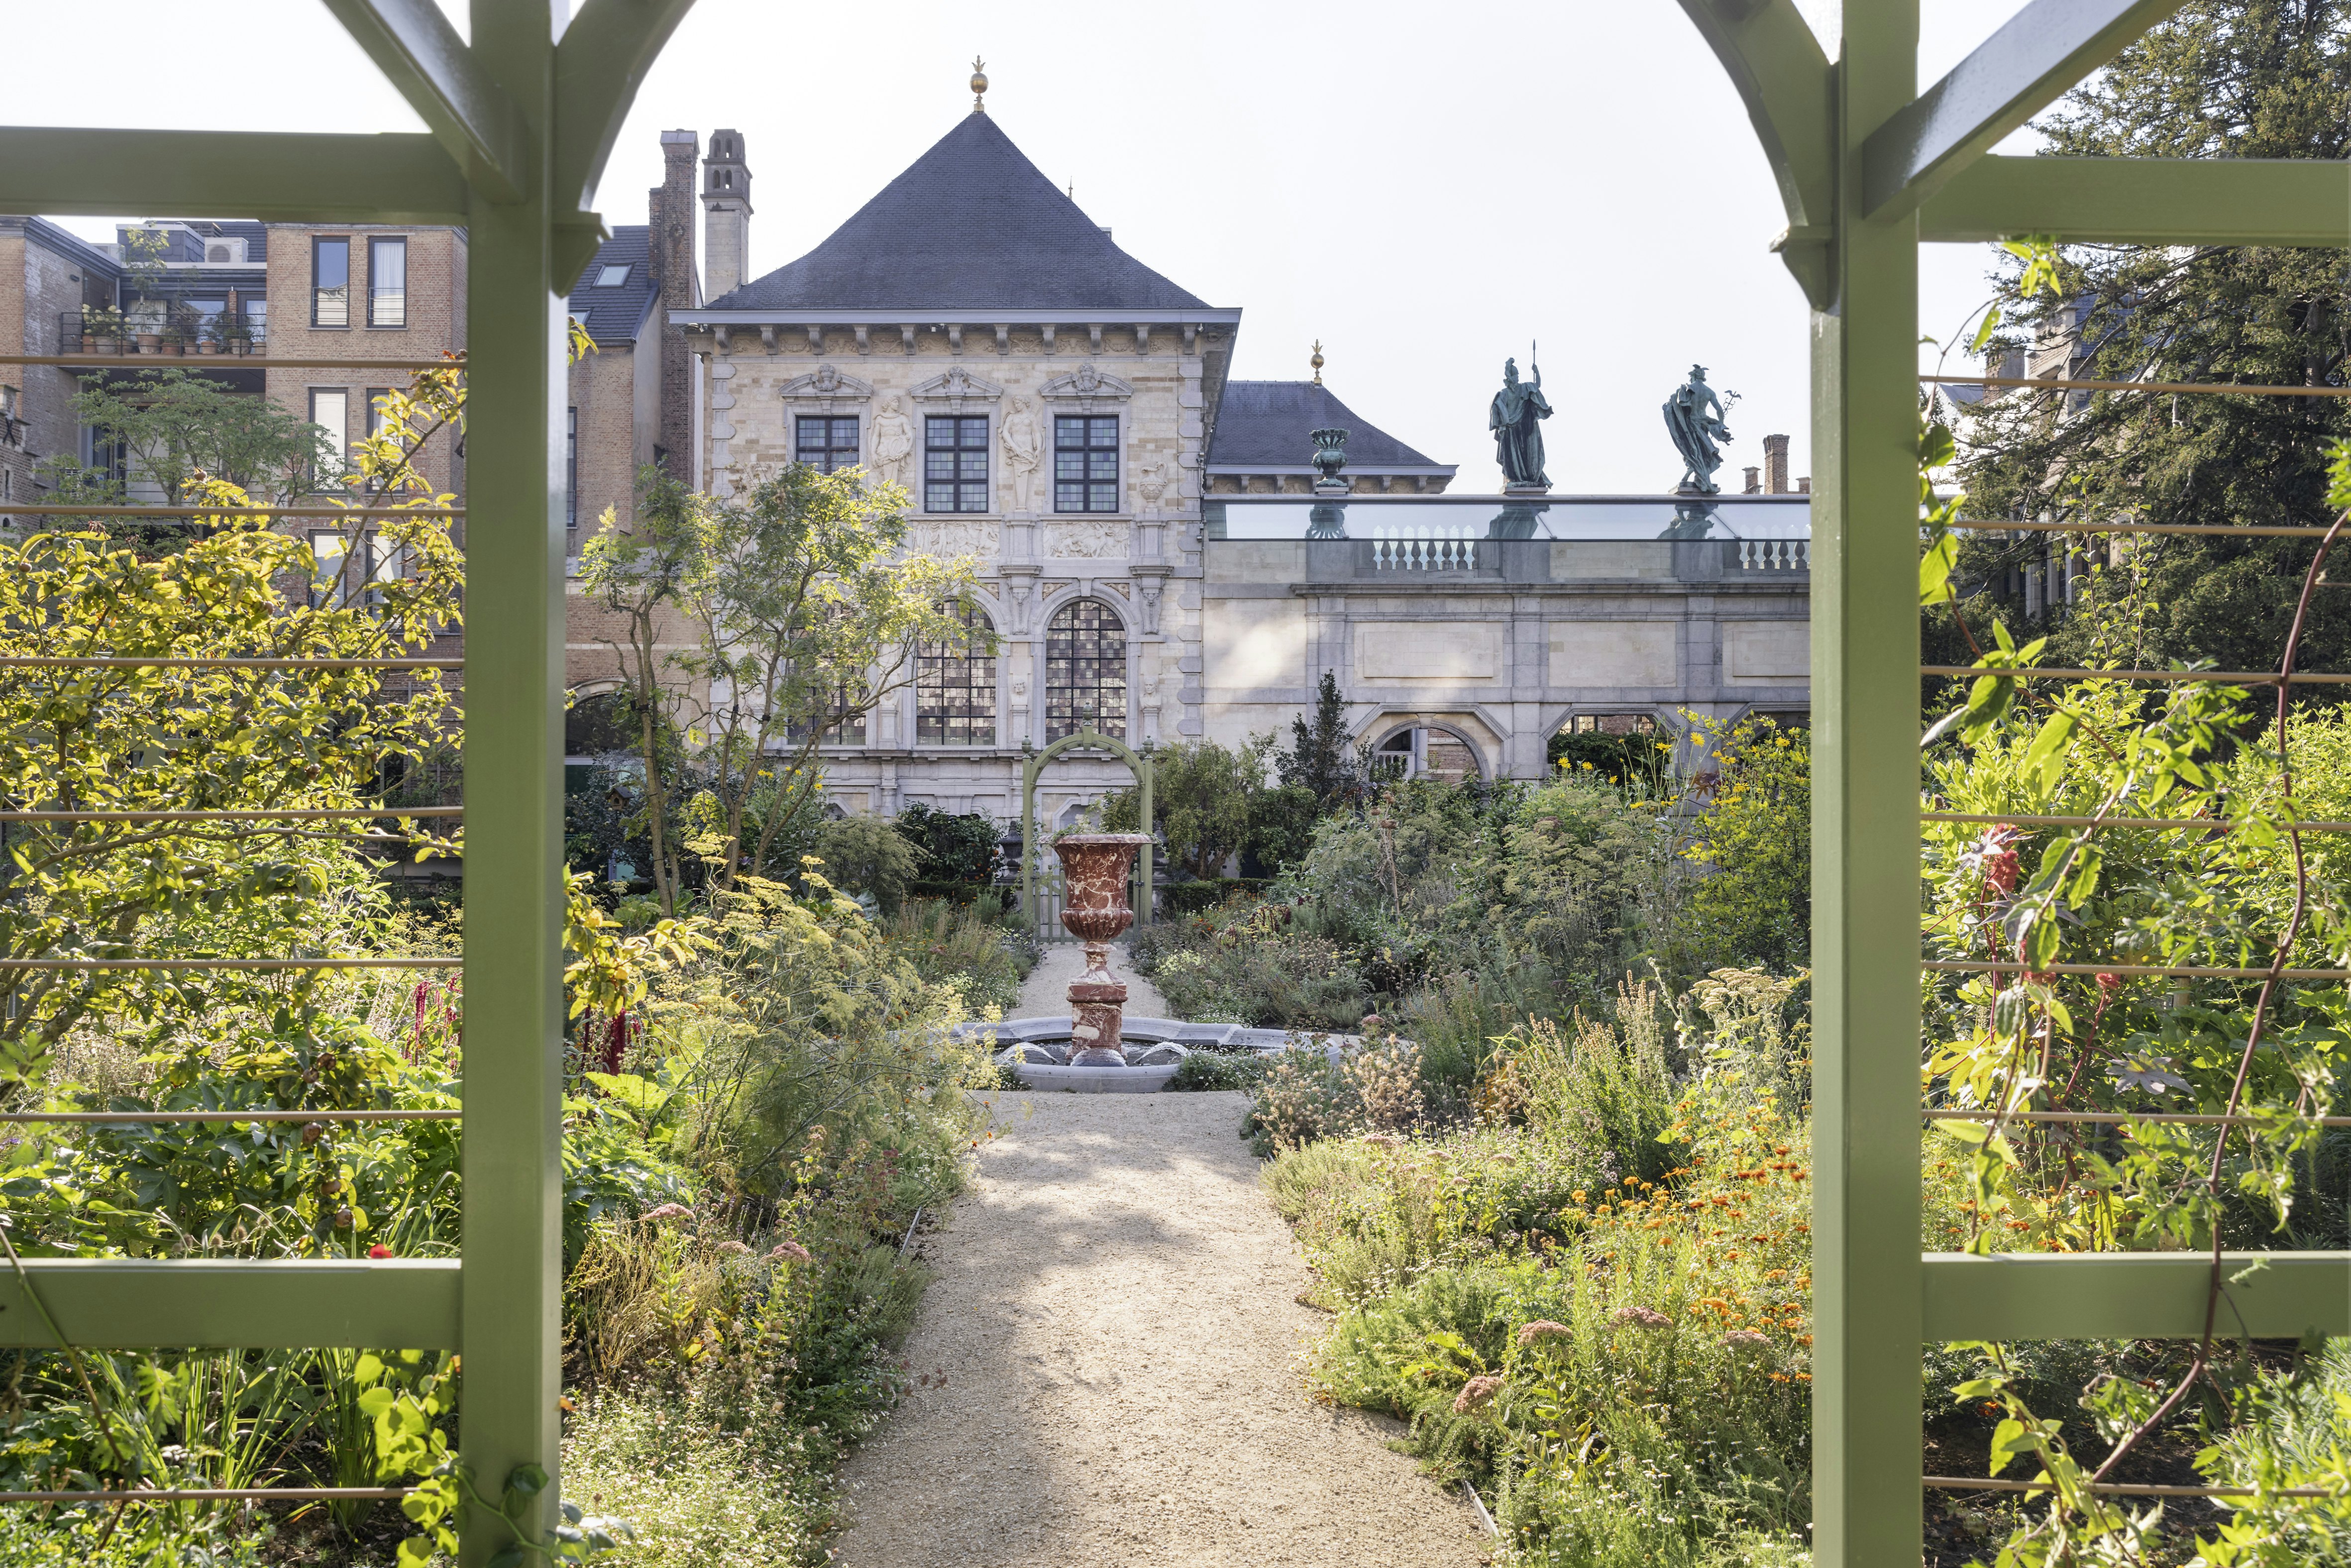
(1086, 386)
(956, 388)
(827, 386)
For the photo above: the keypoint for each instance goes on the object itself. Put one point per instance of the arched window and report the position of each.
(954, 688)
(1427, 753)
(1085, 672)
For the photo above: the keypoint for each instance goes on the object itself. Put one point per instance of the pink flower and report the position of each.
(1543, 1328)
(670, 1211)
(1639, 1318)
(1475, 1392)
(790, 1249)
(731, 1246)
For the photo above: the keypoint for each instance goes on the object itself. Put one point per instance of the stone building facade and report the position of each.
(1152, 550)
(46, 275)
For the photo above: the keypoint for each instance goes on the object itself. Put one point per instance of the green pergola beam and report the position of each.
(2133, 1295)
(412, 43)
(274, 177)
(2035, 56)
(2145, 201)
(116, 1303)
(599, 67)
(1785, 80)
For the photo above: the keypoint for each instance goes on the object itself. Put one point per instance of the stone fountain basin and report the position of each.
(1155, 1049)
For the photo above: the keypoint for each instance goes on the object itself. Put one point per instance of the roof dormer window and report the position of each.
(613, 277)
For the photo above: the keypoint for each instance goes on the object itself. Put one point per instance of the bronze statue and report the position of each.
(1696, 430)
(1517, 436)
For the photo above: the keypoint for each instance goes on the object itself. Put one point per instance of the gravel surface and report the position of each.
(1107, 1370)
(1046, 991)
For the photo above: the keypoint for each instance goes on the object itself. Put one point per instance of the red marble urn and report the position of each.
(1095, 872)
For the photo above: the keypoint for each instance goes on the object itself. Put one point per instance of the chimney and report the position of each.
(726, 214)
(1775, 465)
(1754, 483)
(669, 249)
(1804, 486)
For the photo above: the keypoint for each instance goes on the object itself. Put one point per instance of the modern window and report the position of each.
(955, 463)
(330, 410)
(339, 581)
(375, 396)
(1085, 463)
(611, 276)
(1085, 672)
(386, 281)
(571, 469)
(330, 283)
(955, 687)
(825, 444)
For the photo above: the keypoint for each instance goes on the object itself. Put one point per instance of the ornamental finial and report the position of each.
(978, 85)
(1317, 361)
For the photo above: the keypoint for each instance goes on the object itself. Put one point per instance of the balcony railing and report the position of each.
(138, 338)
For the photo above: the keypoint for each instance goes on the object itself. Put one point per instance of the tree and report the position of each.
(800, 616)
(1201, 793)
(1320, 757)
(148, 737)
(1753, 834)
(2223, 78)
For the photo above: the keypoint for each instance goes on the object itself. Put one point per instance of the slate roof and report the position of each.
(617, 315)
(971, 225)
(1264, 425)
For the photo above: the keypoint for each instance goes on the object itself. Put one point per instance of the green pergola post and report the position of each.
(521, 127)
(1867, 166)
(513, 851)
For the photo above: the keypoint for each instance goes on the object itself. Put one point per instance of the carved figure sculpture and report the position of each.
(1023, 450)
(1514, 418)
(1694, 417)
(893, 440)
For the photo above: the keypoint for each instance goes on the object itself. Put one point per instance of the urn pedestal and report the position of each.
(1095, 872)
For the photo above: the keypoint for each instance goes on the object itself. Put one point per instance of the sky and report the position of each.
(1570, 181)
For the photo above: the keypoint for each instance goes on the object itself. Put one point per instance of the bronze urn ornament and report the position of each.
(1094, 871)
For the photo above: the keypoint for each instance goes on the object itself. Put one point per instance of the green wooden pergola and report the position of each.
(1869, 167)
(521, 123)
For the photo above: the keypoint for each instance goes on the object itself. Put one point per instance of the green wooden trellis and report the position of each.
(1084, 739)
(1869, 167)
(521, 125)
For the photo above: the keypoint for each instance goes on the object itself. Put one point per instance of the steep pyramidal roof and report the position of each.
(972, 225)
(1266, 424)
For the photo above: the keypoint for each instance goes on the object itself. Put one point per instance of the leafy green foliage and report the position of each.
(1754, 835)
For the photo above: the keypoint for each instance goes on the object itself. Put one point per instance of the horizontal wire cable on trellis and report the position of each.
(2207, 824)
(217, 1494)
(2188, 1118)
(112, 510)
(2228, 388)
(7, 964)
(2250, 531)
(109, 1118)
(2177, 971)
(163, 661)
(2113, 1489)
(2226, 678)
(239, 361)
(302, 814)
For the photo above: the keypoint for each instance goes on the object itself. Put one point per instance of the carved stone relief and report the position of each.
(1095, 538)
(957, 388)
(893, 440)
(826, 391)
(1088, 387)
(940, 536)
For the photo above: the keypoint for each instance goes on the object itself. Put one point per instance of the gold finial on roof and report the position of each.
(978, 85)
(1317, 361)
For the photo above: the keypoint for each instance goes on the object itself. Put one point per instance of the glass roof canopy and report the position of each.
(1553, 518)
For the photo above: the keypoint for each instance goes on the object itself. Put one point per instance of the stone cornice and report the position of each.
(933, 317)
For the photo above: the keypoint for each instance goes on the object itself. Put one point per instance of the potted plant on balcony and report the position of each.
(184, 328)
(101, 331)
(235, 334)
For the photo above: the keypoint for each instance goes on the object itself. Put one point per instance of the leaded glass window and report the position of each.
(825, 444)
(955, 463)
(1085, 672)
(1085, 463)
(954, 688)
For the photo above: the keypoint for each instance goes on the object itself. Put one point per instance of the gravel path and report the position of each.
(1046, 991)
(1107, 1370)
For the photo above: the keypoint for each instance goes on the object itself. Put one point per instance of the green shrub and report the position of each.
(866, 856)
(1209, 1070)
(1180, 898)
